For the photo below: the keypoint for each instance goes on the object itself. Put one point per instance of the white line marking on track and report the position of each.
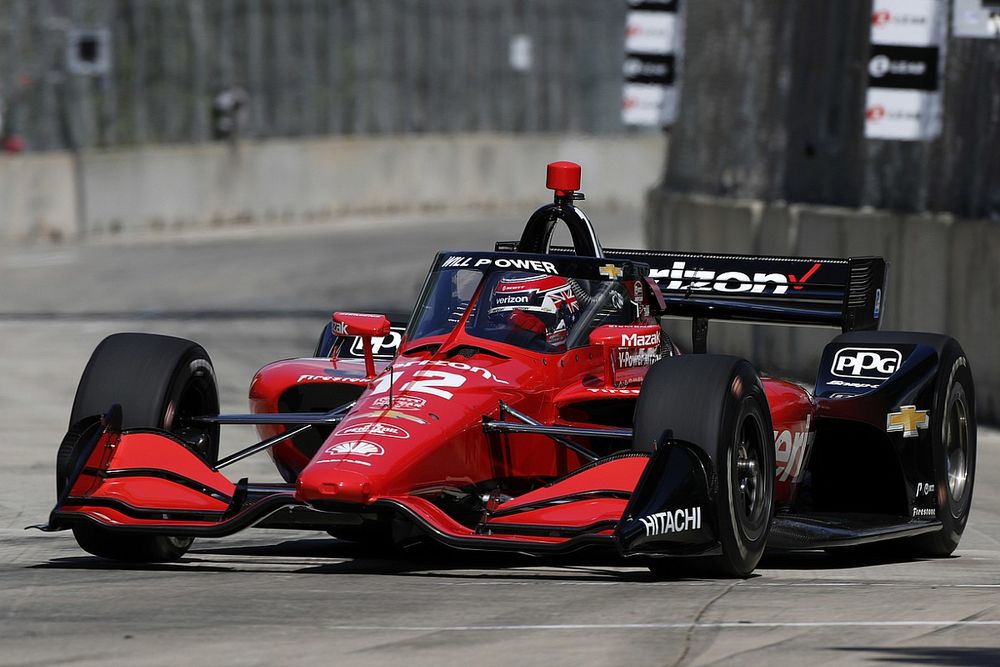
(743, 586)
(662, 626)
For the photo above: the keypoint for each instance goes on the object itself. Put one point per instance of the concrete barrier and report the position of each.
(942, 274)
(38, 198)
(171, 187)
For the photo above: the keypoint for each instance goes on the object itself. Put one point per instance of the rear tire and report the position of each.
(160, 382)
(717, 402)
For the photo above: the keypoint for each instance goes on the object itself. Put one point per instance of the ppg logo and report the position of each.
(384, 347)
(866, 363)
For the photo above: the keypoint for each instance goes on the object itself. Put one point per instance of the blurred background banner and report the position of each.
(906, 57)
(654, 40)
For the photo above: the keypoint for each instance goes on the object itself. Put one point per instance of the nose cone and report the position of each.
(317, 485)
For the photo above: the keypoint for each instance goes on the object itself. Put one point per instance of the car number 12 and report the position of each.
(424, 382)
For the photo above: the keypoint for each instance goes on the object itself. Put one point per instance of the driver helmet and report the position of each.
(541, 304)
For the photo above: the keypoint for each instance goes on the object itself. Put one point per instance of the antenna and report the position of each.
(392, 381)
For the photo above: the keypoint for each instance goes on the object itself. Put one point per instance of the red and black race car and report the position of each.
(533, 403)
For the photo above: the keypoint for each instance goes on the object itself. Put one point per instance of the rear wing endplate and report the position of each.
(843, 293)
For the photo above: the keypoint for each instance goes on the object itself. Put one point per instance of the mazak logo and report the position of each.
(355, 448)
(672, 521)
(376, 429)
(640, 340)
(862, 363)
(730, 282)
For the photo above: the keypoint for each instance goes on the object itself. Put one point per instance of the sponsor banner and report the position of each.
(654, 5)
(979, 19)
(643, 104)
(907, 22)
(650, 32)
(914, 67)
(907, 49)
(657, 70)
(902, 115)
(654, 39)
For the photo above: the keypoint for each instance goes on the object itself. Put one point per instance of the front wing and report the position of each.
(148, 481)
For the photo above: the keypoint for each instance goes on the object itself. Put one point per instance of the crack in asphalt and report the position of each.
(689, 633)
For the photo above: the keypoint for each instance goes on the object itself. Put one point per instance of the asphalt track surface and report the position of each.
(281, 597)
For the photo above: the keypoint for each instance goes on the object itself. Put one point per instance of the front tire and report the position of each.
(717, 402)
(953, 448)
(160, 382)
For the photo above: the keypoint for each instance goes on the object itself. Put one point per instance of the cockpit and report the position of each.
(542, 311)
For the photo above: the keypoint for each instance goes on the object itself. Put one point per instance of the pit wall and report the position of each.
(61, 196)
(943, 275)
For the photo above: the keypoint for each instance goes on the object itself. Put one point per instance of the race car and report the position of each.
(533, 402)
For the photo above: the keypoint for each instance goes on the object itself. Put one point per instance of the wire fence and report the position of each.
(311, 67)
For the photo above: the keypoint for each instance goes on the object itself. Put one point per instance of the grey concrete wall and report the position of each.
(38, 197)
(155, 188)
(942, 274)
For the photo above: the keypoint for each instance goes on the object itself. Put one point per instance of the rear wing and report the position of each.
(842, 293)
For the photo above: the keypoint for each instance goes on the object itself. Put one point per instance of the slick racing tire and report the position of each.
(160, 382)
(717, 403)
(953, 448)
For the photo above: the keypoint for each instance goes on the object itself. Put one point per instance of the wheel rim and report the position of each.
(956, 444)
(197, 397)
(749, 483)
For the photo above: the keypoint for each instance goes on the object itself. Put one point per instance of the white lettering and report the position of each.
(789, 454)
(637, 340)
(640, 357)
(742, 281)
(675, 521)
(331, 378)
(376, 429)
(684, 279)
(620, 392)
(865, 363)
(860, 385)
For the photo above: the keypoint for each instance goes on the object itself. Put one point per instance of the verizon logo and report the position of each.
(730, 282)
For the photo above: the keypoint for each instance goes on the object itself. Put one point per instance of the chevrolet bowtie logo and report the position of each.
(908, 420)
(611, 271)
